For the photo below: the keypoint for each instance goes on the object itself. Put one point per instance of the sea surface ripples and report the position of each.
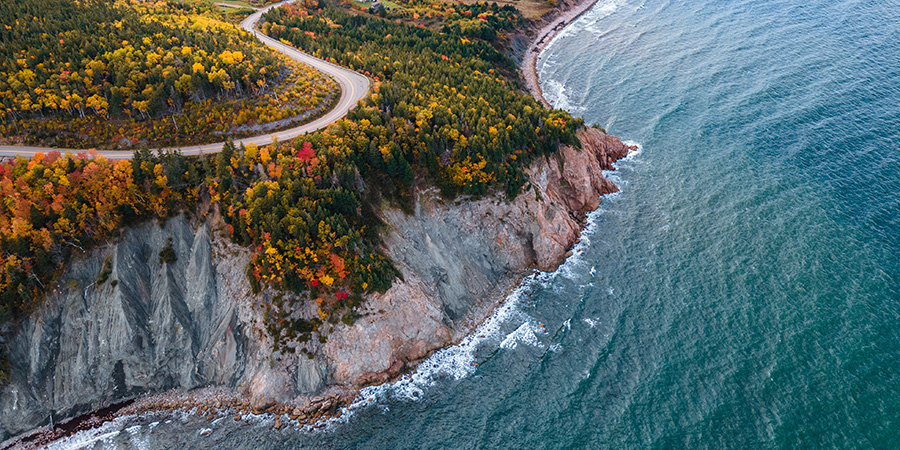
(741, 291)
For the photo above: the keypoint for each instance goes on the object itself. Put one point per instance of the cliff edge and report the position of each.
(151, 325)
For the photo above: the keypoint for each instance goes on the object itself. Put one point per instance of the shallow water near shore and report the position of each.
(741, 291)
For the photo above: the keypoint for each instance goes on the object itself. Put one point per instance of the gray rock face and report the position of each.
(311, 375)
(152, 326)
(456, 259)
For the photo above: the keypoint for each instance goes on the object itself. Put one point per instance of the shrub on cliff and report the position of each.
(4, 365)
(167, 255)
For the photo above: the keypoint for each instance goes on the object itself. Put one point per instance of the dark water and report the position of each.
(740, 292)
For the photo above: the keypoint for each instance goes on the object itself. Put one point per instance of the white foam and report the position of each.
(634, 153)
(591, 322)
(527, 333)
(85, 439)
(590, 21)
(457, 361)
(546, 62)
(587, 21)
(138, 440)
(555, 93)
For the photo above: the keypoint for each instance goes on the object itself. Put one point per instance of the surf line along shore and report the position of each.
(225, 402)
(543, 38)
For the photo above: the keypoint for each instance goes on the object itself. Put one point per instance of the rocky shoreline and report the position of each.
(458, 260)
(399, 329)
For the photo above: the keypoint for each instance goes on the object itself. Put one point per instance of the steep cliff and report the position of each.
(151, 326)
(457, 258)
(154, 326)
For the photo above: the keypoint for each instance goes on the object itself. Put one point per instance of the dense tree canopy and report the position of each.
(447, 106)
(102, 72)
(481, 20)
(445, 109)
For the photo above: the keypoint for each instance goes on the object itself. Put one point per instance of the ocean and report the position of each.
(741, 291)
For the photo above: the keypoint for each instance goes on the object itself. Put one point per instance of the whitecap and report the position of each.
(592, 19)
(638, 149)
(526, 334)
(588, 21)
(87, 438)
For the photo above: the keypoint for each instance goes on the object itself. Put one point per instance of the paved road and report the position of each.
(353, 87)
(234, 5)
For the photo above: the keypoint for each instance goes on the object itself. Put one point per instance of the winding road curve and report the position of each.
(353, 87)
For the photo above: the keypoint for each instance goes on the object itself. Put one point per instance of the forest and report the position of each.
(310, 233)
(481, 20)
(446, 110)
(120, 74)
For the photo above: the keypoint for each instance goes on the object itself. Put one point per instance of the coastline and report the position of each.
(543, 38)
(315, 412)
(556, 206)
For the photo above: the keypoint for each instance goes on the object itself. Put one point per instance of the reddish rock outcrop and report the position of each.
(196, 323)
(456, 260)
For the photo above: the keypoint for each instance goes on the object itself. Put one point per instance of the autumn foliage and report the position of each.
(55, 205)
(121, 74)
(302, 213)
(445, 110)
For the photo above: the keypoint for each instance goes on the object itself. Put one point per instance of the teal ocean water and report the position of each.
(741, 291)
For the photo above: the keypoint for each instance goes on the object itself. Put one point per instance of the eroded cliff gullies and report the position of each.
(457, 259)
(150, 327)
(153, 326)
